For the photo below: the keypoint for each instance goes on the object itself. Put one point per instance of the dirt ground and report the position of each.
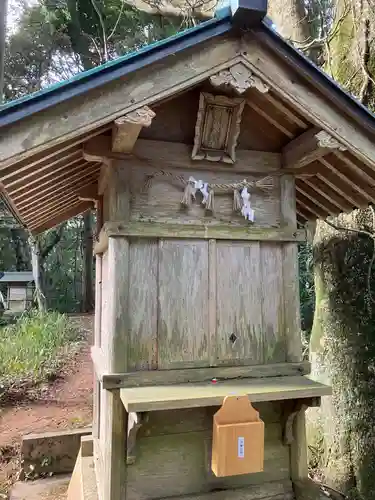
(66, 403)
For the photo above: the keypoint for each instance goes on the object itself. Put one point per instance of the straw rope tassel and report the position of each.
(189, 194)
(237, 201)
(210, 201)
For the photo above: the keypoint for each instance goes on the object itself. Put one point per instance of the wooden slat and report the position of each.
(225, 232)
(271, 265)
(70, 184)
(270, 119)
(54, 220)
(180, 376)
(143, 271)
(342, 188)
(74, 170)
(183, 294)
(312, 206)
(178, 155)
(314, 196)
(354, 182)
(16, 174)
(318, 185)
(42, 209)
(208, 394)
(55, 209)
(292, 322)
(239, 296)
(289, 114)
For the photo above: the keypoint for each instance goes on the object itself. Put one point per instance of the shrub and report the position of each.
(33, 348)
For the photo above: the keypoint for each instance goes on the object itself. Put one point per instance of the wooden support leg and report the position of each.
(116, 446)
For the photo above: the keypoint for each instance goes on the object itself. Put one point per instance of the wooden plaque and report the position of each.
(238, 438)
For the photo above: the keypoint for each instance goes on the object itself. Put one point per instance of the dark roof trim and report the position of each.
(33, 103)
(319, 78)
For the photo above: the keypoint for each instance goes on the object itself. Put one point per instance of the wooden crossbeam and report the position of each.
(308, 147)
(126, 129)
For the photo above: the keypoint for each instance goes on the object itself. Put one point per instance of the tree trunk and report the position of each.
(342, 346)
(290, 19)
(37, 273)
(3, 17)
(87, 284)
(343, 350)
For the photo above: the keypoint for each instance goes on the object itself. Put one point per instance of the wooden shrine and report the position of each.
(205, 156)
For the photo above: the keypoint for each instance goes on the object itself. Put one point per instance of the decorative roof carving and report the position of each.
(142, 116)
(239, 78)
(325, 140)
(217, 128)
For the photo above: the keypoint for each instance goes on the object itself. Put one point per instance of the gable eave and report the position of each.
(89, 80)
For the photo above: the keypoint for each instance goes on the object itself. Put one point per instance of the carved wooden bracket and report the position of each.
(239, 78)
(217, 128)
(135, 423)
(127, 128)
(291, 410)
(325, 140)
(308, 147)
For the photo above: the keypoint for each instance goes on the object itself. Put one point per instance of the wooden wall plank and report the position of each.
(143, 270)
(158, 423)
(272, 303)
(183, 304)
(162, 201)
(180, 464)
(292, 319)
(239, 298)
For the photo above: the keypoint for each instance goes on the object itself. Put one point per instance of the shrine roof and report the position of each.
(220, 24)
(315, 130)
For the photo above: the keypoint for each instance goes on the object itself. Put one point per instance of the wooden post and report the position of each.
(97, 343)
(292, 322)
(298, 456)
(116, 417)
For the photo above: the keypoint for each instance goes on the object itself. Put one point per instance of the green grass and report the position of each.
(33, 349)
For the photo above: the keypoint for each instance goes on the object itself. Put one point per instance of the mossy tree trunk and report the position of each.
(343, 351)
(342, 346)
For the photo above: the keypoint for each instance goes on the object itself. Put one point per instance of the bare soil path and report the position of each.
(66, 403)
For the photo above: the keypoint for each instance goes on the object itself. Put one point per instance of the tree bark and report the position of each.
(343, 351)
(37, 273)
(87, 284)
(3, 17)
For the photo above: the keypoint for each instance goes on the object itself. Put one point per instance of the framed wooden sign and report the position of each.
(238, 438)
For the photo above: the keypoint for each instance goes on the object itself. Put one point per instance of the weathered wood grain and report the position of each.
(292, 320)
(181, 376)
(143, 271)
(271, 265)
(212, 302)
(158, 423)
(104, 104)
(312, 105)
(275, 490)
(183, 304)
(209, 394)
(240, 337)
(161, 202)
(203, 231)
(179, 464)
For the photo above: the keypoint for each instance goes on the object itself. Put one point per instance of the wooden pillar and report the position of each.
(292, 321)
(116, 417)
(97, 343)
